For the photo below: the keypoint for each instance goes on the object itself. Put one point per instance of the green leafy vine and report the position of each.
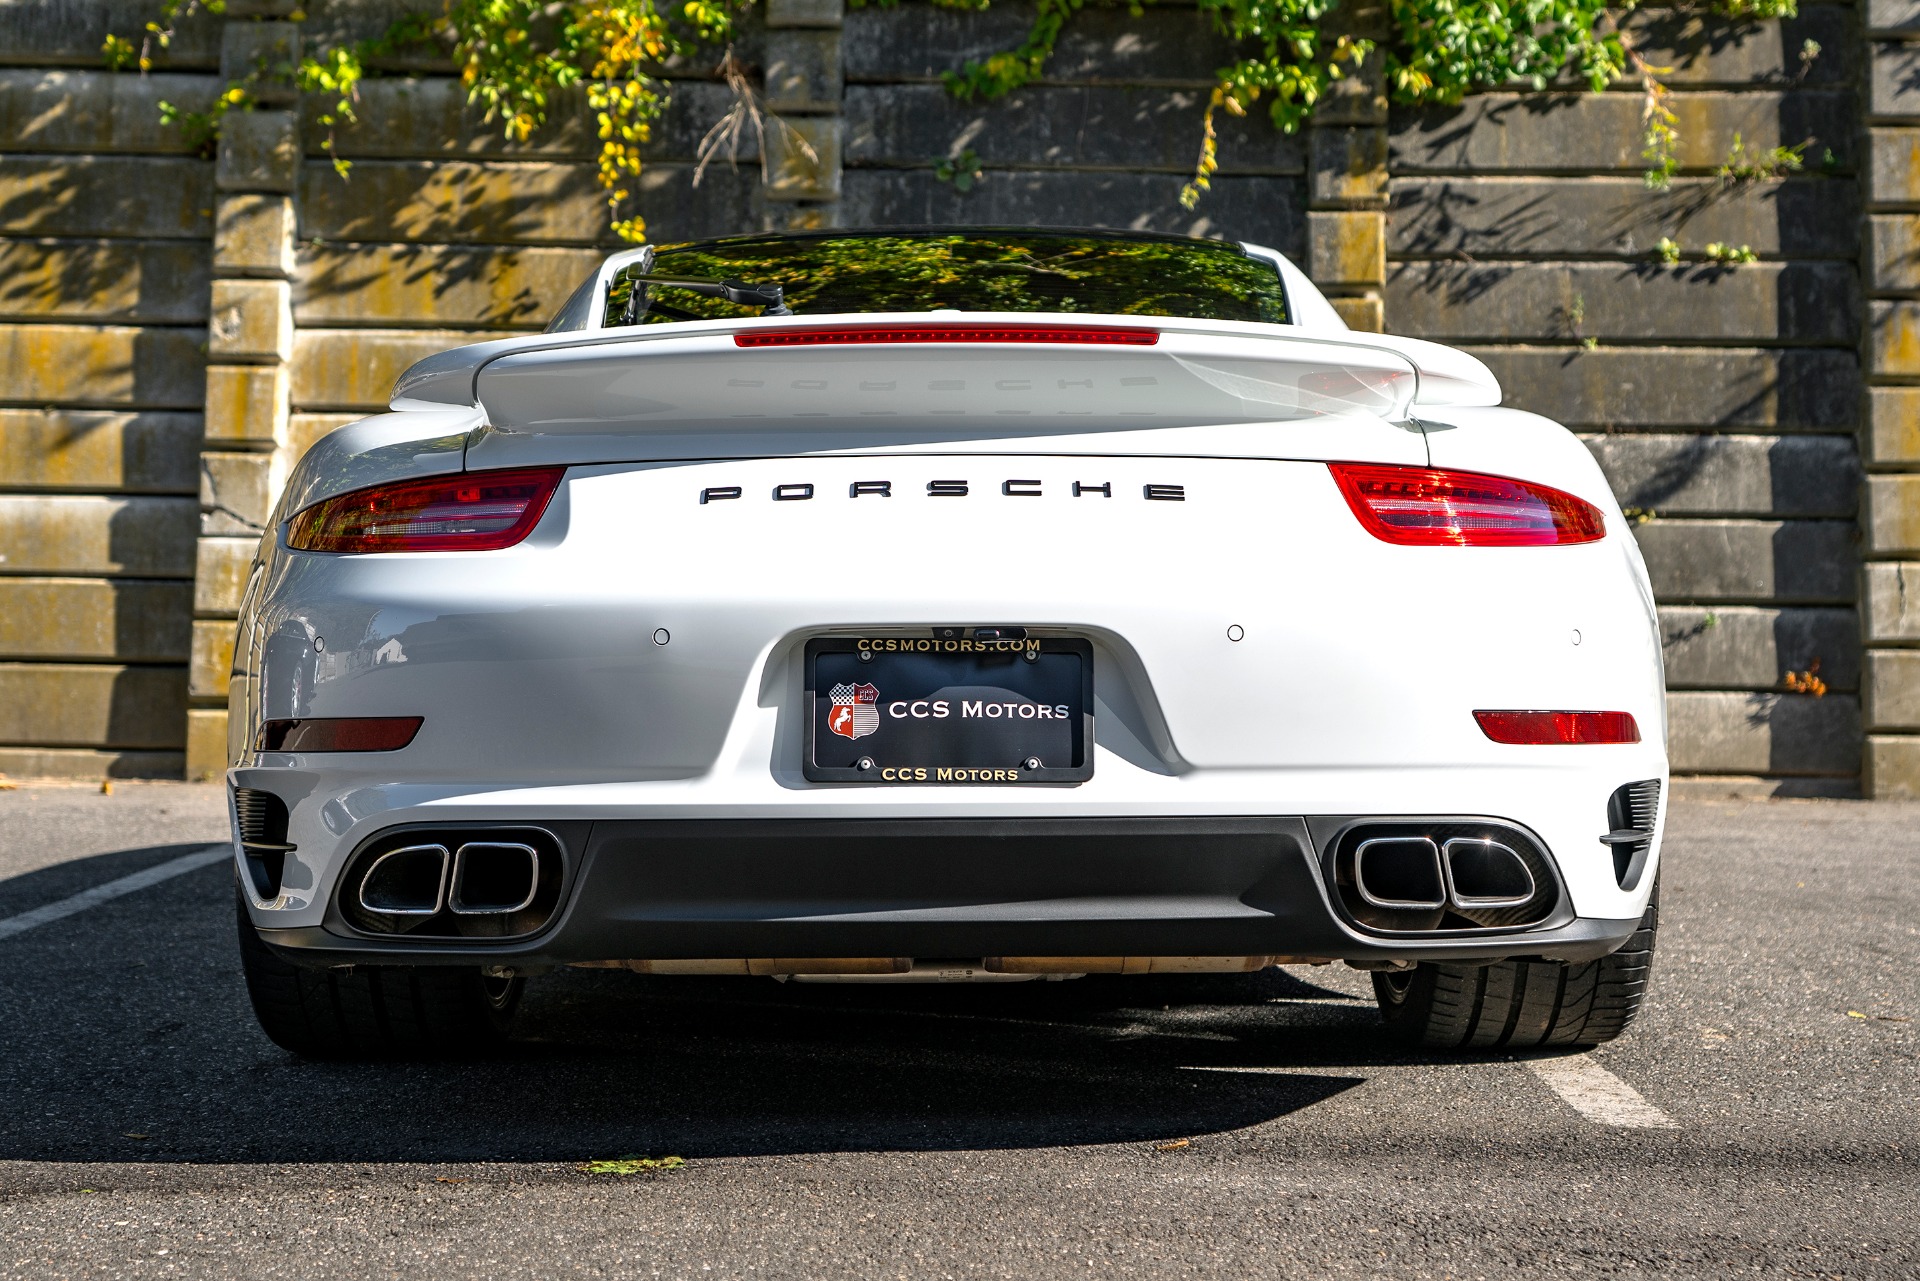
(521, 60)
(1438, 52)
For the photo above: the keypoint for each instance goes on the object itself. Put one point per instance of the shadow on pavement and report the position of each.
(128, 1038)
(49, 884)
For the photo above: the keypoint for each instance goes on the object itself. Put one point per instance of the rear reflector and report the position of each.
(1094, 336)
(1534, 728)
(1421, 507)
(339, 734)
(469, 512)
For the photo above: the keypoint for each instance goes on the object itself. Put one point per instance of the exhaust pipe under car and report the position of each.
(990, 969)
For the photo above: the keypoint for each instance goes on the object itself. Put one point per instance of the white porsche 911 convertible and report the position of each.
(941, 604)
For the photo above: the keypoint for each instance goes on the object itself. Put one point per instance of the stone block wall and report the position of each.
(1107, 140)
(105, 261)
(1723, 401)
(176, 328)
(1890, 348)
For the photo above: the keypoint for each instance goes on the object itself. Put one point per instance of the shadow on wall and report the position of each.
(1265, 209)
(1685, 40)
(93, 196)
(409, 267)
(138, 708)
(152, 537)
(432, 202)
(111, 282)
(150, 542)
(1813, 742)
(465, 203)
(1720, 474)
(147, 709)
(1895, 339)
(1640, 300)
(167, 369)
(1814, 735)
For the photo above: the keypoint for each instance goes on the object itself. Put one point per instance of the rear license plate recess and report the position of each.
(947, 709)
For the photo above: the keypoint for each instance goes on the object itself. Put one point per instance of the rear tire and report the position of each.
(1521, 1004)
(370, 1012)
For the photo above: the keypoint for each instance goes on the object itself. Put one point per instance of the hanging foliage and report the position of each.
(520, 60)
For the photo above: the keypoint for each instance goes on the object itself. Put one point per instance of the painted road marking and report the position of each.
(1598, 1094)
(99, 894)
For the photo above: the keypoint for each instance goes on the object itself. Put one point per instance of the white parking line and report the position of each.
(85, 899)
(1598, 1094)
(1272, 1071)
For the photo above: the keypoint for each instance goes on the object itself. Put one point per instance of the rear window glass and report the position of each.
(960, 271)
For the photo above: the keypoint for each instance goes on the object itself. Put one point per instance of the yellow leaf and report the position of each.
(627, 1165)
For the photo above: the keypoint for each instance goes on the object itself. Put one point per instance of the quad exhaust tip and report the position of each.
(493, 877)
(480, 878)
(409, 881)
(1419, 874)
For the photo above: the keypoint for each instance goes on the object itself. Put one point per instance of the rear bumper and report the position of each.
(949, 888)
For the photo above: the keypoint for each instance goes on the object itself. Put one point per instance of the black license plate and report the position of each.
(945, 710)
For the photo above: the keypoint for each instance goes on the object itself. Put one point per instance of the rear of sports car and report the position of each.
(721, 633)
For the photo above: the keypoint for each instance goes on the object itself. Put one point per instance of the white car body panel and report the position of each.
(1350, 690)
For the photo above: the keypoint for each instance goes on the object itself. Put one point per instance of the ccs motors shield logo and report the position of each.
(856, 710)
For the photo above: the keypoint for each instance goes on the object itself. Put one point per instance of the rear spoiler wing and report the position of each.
(1191, 371)
(587, 307)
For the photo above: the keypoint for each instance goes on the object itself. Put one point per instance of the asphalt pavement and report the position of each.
(1762, 1119)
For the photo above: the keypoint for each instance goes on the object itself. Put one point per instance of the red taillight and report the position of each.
(471, 512)
(1088, 335)
(339, 734)
(1533, 728)
(1421, 507)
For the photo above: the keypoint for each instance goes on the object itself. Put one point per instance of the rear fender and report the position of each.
(1525, 446)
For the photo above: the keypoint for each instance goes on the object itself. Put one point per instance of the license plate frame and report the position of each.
(965, 746)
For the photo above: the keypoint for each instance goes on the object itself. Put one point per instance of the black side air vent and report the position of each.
(262, 817)
(1633, 814)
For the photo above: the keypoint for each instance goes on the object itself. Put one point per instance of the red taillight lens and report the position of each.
(1421, 507)
(1082, 334)
(339, 734)
(1533, 728)
(471, 512)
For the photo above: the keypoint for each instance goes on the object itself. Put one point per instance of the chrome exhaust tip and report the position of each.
(1400, 873)
(409, 881)
(494, 878)
(1418, 875)
(455, 882)
(1484, 873)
